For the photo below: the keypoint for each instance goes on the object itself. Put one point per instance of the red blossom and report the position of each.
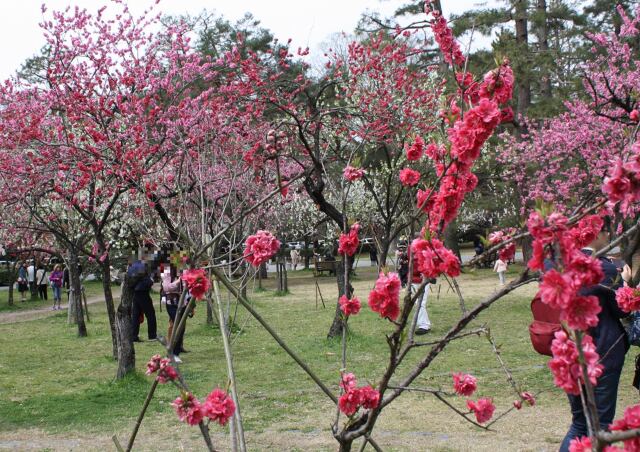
(348, 243)
(581, 444)
(581, 312)
(197, 282)
(353, 174)
(409, 177)
(529, 398)
(218, 406)
(464, 384)
(415, 151)
(483, 409)
(556, 289)
(432, 258)
(385, 298)
(628, 299)
(349, 306)
(260, 247)
(188, 409)
(565, 366)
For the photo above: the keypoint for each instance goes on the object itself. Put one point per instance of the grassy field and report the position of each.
(58, 393)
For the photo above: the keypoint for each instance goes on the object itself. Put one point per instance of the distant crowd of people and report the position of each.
(36, 280)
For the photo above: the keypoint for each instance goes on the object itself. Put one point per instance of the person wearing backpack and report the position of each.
(41, 281)
(610, 339)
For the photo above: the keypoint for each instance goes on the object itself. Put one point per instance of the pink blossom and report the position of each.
(628, 299)
(529, 398)
(219, 407)
(385, 297)
(409, 177)
(432, 258)
(483, 409)
(197, 282)
(582, 444)
(260, 247)
(353, 174)
(464, 384)
(166, 373)
(581, 312)
(415, 151)
(517, 404)
(349, 306)
(565, 367)
(154, 364)
(348, 243)
(370, 397)
(188, 409)
(556, 289)
(350, 401)
(634, 115)
(630, 421)
(348, 381)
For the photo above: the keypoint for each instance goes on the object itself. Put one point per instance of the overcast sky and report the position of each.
(307, 23)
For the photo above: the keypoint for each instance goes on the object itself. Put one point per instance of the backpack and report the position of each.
(546, 322)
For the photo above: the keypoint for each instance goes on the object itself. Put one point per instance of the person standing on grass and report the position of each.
(609, 337)
(31, 276)
(42, 282)
(141, 282)
(56, 286)
(373, 255)
(295, 258)
(423, 325)
(500, 267)
(172, 288)
(23, 282)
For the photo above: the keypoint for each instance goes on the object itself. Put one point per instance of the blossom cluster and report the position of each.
(218, 407)
(260, 247)
(623, 183)
(527, 397)
(432, 258)
(348, 243)
(630, 421)
(353, 174)
(449, 47)
(197, 282)
(560, 289)
(349, 306)
(464, 384)
(565, 364)
(507, 252)
(409, 177)
(161, 365)
(483, 409)
(628, 299)
(355, 397)
(385, 296)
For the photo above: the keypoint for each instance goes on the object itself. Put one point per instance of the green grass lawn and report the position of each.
(60, 384)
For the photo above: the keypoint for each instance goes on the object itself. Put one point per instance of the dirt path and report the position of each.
(45, 311)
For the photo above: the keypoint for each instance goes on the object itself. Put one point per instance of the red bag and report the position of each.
(546, 322)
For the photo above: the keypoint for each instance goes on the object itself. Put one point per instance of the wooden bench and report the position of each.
(324, 266)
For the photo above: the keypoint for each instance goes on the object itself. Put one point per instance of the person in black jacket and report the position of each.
(611, 344)
(139, 278)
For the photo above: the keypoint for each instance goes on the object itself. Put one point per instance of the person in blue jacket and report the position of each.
(610, 339)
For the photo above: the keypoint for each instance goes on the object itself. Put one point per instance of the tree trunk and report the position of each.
(108, 298)
(451, 239)
(527, 249)
(77, 292)
(209, 312)
(337, 325)
(543, 42)
(126, 351)
(522, 82)
(12, 281)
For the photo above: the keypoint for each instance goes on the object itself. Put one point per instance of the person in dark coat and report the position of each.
(139, 277)
(611, 344)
